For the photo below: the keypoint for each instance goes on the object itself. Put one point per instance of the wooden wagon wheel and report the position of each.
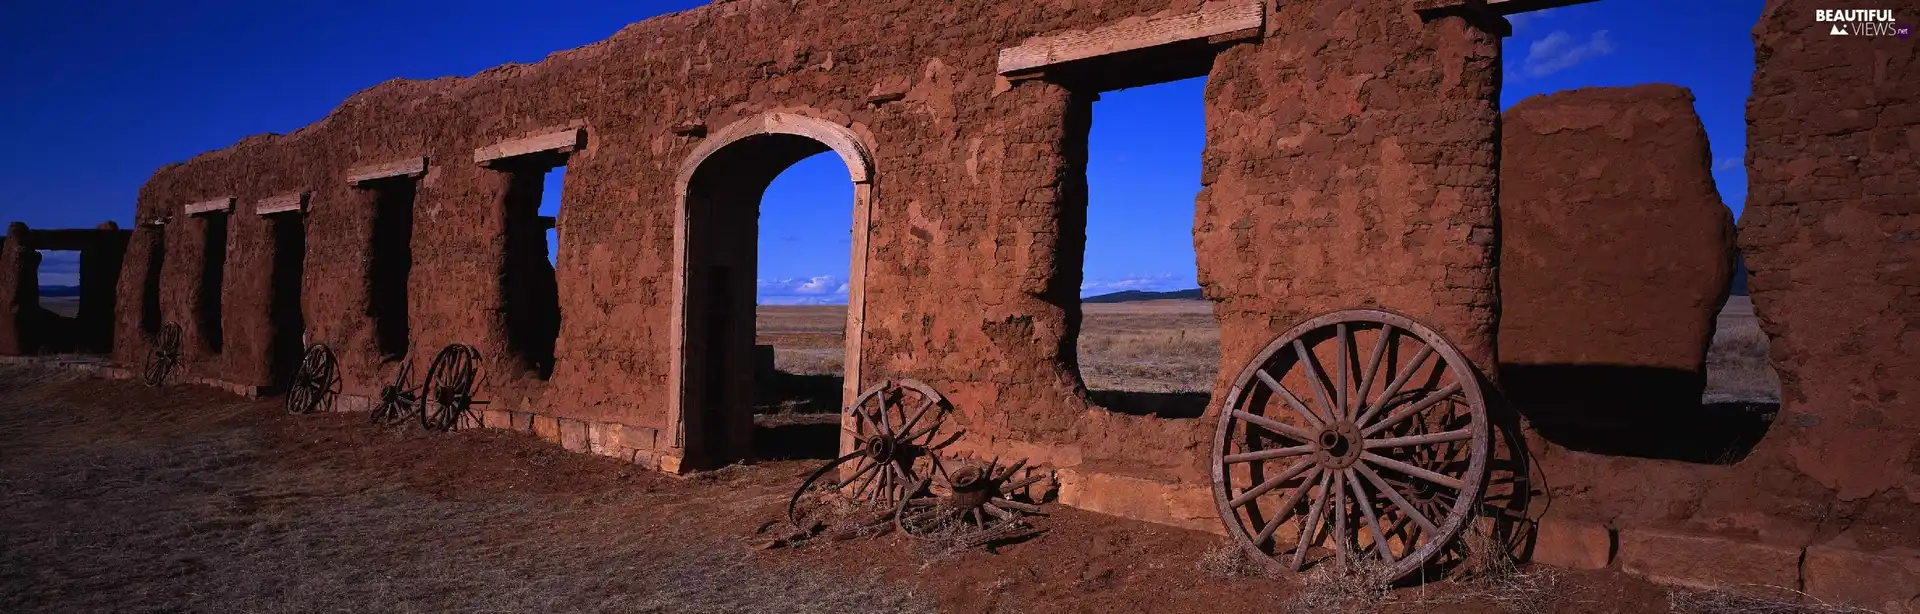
(896, 428)
(315, 382)
(970, 504)
(447, 393)
(1381, 458)
(397, 400)
(164, 355)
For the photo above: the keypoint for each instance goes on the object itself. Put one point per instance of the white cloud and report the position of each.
(817, 290)
(1726, 164)
(1520, 21)
(1558, 51)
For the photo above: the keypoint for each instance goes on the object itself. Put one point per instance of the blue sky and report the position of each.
(100, 93)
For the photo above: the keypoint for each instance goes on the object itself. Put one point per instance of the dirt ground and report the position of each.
(123, 497)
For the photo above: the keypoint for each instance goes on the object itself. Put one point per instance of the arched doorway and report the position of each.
(719, 190)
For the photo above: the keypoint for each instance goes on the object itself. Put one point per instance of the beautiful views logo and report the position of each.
(1862, 22)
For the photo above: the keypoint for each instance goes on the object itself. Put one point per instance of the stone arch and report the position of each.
(727, 171)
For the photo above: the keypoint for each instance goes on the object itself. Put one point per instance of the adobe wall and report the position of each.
(1351, 133)
(1831, 234)
(1615, 259)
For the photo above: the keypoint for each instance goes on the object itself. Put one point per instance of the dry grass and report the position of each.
(1753, 600)
(1228, 560)
(192, 509)
(1737, 366)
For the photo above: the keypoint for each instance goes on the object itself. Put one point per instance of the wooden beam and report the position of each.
(1215, 19)
(410, 167)
(564, 141)
(284, 203)
(223, 204)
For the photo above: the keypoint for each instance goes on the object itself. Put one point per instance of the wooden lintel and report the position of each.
(564, 141)
(284, 203)
(1215, 21)
(223, 204)
(409, 167)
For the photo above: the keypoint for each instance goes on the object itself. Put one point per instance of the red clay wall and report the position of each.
(1831, 234)
(1354, 133)
(1615, 258)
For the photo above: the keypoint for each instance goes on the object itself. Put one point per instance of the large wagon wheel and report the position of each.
(164, 355)
(316, 381)
(397, 400)
(448, 392)
(1380, 459)
(896, 430)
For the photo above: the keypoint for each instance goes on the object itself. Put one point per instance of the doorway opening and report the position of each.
(289, 266)
(391, 264)
(56, 328)
(529, 289)
(213, 266)
(768, 179)
(1148, 343)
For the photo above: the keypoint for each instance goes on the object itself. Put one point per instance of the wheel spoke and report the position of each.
(1260, 455)
(1319, 386)
(1286, 507)
(1402, 413)
(1419, 440)
(1014, 505)
(996, 512)
(908, 427)
(1310, 531)
(1013, 487)
(1373, 521)
(1411, 470)
(1292, 401)
(1274, 426)
(1340, 519)
(1340, 380)
(1015, 468)
(1271, 483)
(1373, 366)
(1398, 500)
(1406, 373)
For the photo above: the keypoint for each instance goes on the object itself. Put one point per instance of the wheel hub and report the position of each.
(1340, 445)
(880, 449)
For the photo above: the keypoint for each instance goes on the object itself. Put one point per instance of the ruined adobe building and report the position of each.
(1353, 158)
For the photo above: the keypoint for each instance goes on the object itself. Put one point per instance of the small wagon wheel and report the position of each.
(1381, 456)
(896, 427)
(164, 355)
(972, 504)
(397, 400)
(316, 381)
(447, 393)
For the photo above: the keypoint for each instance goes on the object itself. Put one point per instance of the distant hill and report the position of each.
(1131, 296)
(59, 290)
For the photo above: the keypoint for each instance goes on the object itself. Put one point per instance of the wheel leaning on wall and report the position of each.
(315, 382)
(1378, 461)
(164, 355)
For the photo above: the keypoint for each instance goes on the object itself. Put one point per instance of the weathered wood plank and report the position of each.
(223, 204)
(1213, 19)
(564, 141)
(284, 203)
(409, 167)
